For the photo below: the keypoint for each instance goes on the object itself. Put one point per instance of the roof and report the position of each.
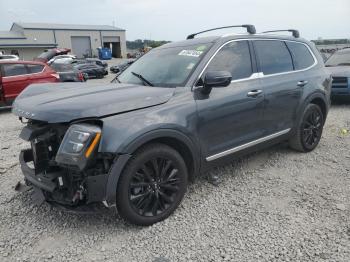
(43, 26)
(11, 35)
(228, 37)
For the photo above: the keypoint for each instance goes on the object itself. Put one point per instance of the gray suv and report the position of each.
(176, 112)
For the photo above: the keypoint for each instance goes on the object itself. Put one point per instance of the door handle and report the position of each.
(302, 83)
(254, 93)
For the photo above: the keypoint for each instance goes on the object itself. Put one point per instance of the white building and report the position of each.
(28, 40)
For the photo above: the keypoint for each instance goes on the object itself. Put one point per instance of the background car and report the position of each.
(16, 76)
(121, 67)
(339, 66)
(68, 73)
(62, 57)
(9, 58)
(50, 53)
(92, 70)
(97, 62)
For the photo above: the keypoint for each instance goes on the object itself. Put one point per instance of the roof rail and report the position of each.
(294, 32)
(250, 29)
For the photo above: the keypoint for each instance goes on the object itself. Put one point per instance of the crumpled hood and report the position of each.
(58, 103)
(339, 71)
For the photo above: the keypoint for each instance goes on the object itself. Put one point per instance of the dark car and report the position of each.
(67, 72)
(92, 70)
(97, 62)
(121, 67)
(339, 66)
(90, 61)
(176, 112)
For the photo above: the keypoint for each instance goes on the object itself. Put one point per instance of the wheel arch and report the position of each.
(318, 98)
(321, 103)
(175, 139)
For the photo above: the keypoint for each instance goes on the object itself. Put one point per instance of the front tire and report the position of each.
(309, 129)
(152, 185)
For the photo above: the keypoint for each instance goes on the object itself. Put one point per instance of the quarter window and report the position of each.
(32, 69)
(273, 56)
(235, 58)
(14, 69)
(301, 55)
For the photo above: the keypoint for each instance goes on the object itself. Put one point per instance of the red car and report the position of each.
(17, 75)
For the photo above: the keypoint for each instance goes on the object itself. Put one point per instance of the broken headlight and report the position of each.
(78, 145)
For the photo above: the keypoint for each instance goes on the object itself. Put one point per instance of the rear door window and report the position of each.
(301, 55)
(235, 58)
(32, 69)
(14, 69)
(273, 56)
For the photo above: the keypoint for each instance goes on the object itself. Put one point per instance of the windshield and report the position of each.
(165, 67)
(339, 58)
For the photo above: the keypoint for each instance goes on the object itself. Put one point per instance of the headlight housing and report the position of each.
(78, 145)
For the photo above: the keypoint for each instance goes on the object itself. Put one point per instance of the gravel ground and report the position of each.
(275, 205)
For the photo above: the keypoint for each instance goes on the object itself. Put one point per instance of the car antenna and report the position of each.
(250, 29)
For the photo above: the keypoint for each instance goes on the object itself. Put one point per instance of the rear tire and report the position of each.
(152, 185)
(309, 129)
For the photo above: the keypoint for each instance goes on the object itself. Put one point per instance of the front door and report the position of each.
(231, 116)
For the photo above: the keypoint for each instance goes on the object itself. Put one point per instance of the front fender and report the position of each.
(124, 133)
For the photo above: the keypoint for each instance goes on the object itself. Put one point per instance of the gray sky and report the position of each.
(174, 19)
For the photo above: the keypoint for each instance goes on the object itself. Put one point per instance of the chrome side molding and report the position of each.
(247, 145)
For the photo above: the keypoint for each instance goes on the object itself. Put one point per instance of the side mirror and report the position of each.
(216, 79)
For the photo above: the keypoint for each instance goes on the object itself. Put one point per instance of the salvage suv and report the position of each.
(177, 111)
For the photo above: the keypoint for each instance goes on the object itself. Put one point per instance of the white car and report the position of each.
(9, 58)
(62, 57)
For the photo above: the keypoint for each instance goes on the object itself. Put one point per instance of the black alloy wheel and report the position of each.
(312, 128)
(309, 129)
(152, 185)
(153, 188)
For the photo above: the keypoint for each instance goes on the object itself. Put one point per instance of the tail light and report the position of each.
(2, 98)
(57, 76)
(81, 77)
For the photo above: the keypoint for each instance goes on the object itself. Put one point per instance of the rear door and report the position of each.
(15, 79)
(37, 74)
(280, 83)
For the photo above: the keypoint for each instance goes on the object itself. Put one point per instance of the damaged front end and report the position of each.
(63, 164)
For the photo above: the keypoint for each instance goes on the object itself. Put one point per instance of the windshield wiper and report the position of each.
(115, 79)
(144, 80)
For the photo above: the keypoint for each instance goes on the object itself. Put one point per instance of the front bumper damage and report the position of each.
(56, 188)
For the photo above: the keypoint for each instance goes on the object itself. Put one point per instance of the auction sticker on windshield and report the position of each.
(193, 53)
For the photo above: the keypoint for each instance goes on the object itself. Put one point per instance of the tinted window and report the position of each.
(301, 55)
(273, 56)
(14, 70)
(234, 57)
(35, 68)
